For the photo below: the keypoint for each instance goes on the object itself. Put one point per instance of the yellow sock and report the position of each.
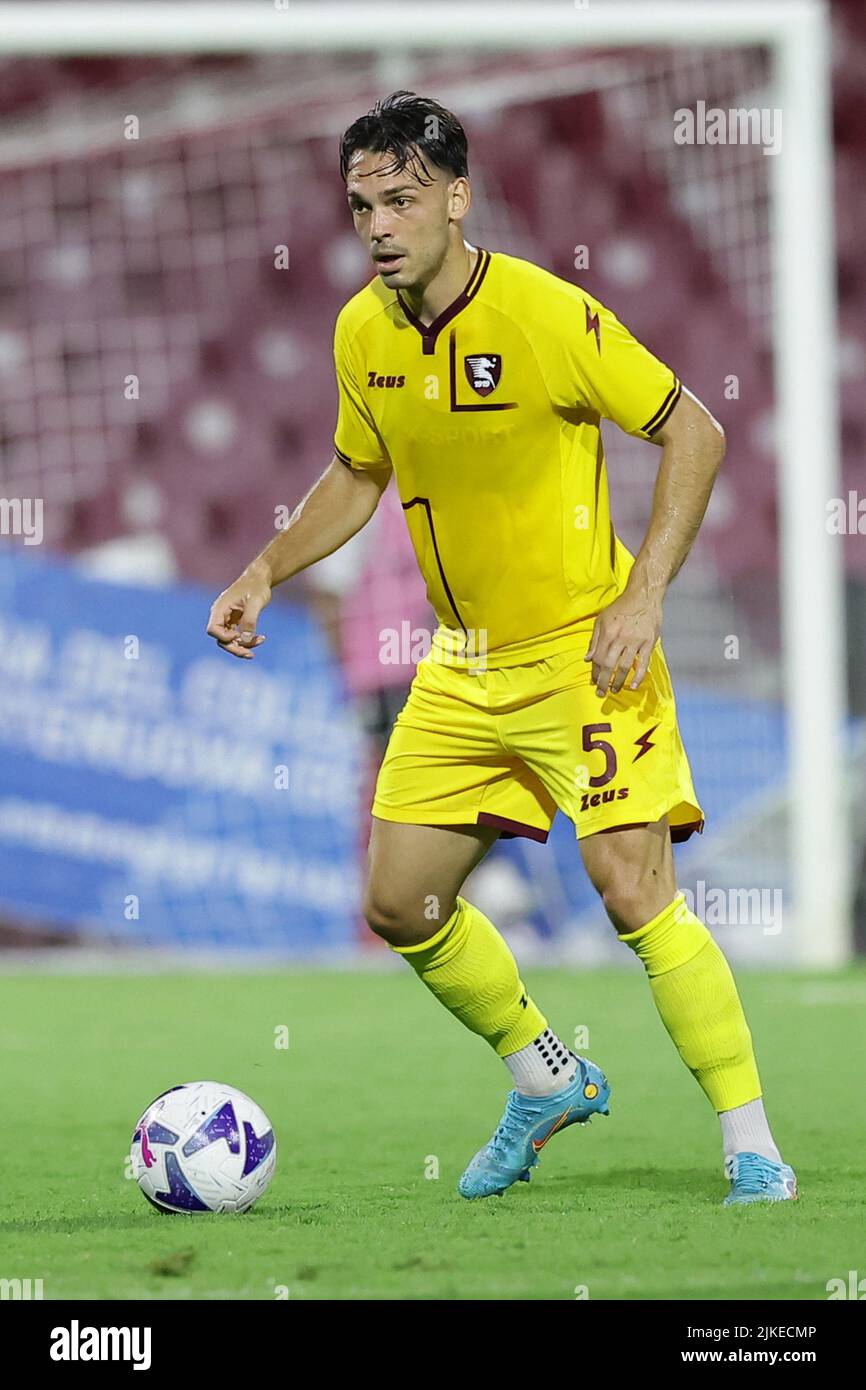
(697, 999)
(469, 968)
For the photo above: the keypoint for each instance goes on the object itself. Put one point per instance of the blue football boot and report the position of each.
(757, 1179)
(528, 1123)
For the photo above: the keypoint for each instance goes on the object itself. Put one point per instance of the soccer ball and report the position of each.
(203, 1146)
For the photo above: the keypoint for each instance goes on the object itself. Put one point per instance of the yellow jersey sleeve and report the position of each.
(616, 375)
(357, 442)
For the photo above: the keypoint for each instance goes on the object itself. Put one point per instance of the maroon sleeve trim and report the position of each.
(656, 421)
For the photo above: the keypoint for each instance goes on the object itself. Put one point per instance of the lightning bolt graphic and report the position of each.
(593, 326)
(643, 743)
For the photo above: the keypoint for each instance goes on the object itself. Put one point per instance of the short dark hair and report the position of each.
(413, 129)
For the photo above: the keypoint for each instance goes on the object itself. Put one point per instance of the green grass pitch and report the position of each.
(378, 1088)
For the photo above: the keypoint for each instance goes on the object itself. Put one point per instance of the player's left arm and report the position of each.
(693, 446)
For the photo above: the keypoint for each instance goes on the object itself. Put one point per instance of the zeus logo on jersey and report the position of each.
(483, 372)
(376, 380)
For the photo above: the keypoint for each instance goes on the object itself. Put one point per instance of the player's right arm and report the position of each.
(341, 502)
(335, 508)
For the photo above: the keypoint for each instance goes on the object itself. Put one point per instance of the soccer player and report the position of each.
(481, 381)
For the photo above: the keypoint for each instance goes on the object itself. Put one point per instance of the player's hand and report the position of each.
(623, 638)
(233, 617)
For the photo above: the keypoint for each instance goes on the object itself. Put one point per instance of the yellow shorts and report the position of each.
(507, 747)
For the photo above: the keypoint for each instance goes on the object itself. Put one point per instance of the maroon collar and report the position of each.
(430, 331)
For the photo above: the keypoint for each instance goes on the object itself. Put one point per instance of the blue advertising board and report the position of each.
(156, 791)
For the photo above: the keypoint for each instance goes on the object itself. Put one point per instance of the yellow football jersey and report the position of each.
(491, 418)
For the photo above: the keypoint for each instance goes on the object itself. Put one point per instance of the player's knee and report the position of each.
(392, 917)
(389, 917)
(629, 900)
(382, 915)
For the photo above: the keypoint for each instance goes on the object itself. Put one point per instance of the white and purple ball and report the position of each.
(203, 1147)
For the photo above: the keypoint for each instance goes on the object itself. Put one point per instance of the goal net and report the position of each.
(159, 169)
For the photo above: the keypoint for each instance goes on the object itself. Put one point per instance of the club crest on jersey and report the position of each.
(483, 372)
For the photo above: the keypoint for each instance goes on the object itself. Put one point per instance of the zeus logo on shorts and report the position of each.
(588, 800)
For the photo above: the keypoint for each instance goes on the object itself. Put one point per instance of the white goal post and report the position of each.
(796, 33)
